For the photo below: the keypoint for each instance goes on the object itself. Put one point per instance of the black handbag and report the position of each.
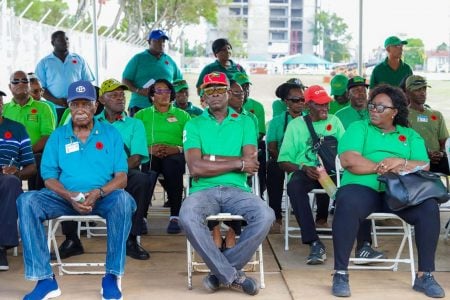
(403, 191)
(325, 147)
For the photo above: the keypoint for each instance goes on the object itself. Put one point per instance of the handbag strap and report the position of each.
(313, 133)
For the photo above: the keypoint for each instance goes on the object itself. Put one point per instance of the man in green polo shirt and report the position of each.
(392, 69)
(357, 110)
(220, 150)
(182, 98)
(34, 115)
(338, 86)
(429, 123)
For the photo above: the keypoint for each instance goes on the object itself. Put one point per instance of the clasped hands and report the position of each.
(391, 164)
(87, 205)
(161, 150)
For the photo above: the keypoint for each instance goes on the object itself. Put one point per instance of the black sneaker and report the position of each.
(340, 288)
(245, 284)
(317, 253)
(3, 260)
(428, 285)
(211, 283)
(367, 252)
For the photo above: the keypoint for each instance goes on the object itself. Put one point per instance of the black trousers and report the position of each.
(173, 169)
(10, 189)
(262, 175)
(140, 187)
(36, 182)
(355, 202)
(275, 182)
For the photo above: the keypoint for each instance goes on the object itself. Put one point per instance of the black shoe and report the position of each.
(173, 227)
(211, 283)
(3, 260)
(367, 252)
(428, 285)
(245, 284)
(135, 251)
(317, 253)
(67, 249)
(340, 288)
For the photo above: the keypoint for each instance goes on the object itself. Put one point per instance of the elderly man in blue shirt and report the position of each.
(84, 167)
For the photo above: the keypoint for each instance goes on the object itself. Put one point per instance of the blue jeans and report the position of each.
(232, 200)
(35, 207)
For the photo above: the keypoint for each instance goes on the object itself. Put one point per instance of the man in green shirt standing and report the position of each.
(339, 91)
(357, 93)
(392, 69)
(220, 150)
(36, 116)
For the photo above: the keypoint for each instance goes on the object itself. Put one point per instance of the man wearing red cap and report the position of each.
(220, 150)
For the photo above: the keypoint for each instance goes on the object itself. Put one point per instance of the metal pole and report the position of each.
(94, 23)
(156, 10)
(26, 9)
(45, 16)
(360, 46)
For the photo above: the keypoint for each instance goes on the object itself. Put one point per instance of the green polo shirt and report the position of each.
(254, 119)
(144, 67)
(257, 108)
(430, 124)
(277, 126)
(278, 107)
(348, 115)
(192, 110)
(217, 67)
(336, 106)
(163, 128)
(375, 145)
(132, 132)
(297, 143)
(383, 73)
(223, 139)
(36, 116)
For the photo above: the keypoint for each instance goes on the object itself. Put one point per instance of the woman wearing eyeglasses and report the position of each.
(164, 126)
(384, 143)
(290, 93)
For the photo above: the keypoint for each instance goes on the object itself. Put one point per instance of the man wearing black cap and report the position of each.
(357, 94)
(391, 70)
(222, 51)
(146, 67)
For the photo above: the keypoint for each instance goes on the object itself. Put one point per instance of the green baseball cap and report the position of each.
(394, 41)
(339, 85)
(241, 78)
(356, 81)
(415, 82)
(180, 84)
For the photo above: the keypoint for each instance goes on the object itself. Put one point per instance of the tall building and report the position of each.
(268, 28)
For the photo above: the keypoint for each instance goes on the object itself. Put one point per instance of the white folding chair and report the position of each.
(199, 266)
(406, 238)
(53, 227)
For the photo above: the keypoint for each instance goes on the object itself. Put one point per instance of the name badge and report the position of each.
(72, 147)
(422, 118)
(172, 119)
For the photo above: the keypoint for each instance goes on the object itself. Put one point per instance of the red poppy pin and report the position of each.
(329, 127)
(119, 117)
(402, 138)
(234, 115)
(167, 62)
(252, 111)
(34, 111)
(433, 117)
(99, 145)
(8, 135)
(74, 61)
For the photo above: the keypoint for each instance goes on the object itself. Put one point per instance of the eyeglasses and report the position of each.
(295, 100)
(238, 94)
(163, 91)
(81, 104)
(215, 90)
(378, 108)
(21, 80)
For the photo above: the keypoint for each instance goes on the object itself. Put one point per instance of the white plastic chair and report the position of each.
(406, 238)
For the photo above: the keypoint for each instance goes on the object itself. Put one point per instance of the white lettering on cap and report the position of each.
(319, 92)
(80, 89)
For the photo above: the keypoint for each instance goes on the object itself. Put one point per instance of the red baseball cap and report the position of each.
(317, 94)
(218, 78)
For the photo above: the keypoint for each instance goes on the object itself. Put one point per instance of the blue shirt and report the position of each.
(56, 76)
(82, 167)
(14, 143)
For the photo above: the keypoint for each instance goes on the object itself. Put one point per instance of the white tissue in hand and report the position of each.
(79, 198)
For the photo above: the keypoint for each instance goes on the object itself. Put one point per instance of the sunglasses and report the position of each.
(21, 80)
(215, 90)
(378, 108)
(163, 91)
(295, 100)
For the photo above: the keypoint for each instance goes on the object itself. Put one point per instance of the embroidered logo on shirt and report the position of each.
(34, 111)
(434, 118)
(7, 135)
(74, 61)
(99, 145)
(329, 127)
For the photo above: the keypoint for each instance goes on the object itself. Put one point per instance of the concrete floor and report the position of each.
(287, 276)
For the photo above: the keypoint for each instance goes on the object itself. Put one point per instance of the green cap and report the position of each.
(180, 84)
(241, 78)
(356, 81)
(338, 85)
(110, 85)
(415, 82)
(394, 41)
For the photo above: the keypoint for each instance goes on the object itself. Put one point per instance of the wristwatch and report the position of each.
(212, 158)
(102, 192)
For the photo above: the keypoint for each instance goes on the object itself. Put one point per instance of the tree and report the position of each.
(414, 53)
(331, 31)
(39, 8)
(442, 47)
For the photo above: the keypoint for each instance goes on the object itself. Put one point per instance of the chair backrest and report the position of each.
(447, 149)
(339, 170)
